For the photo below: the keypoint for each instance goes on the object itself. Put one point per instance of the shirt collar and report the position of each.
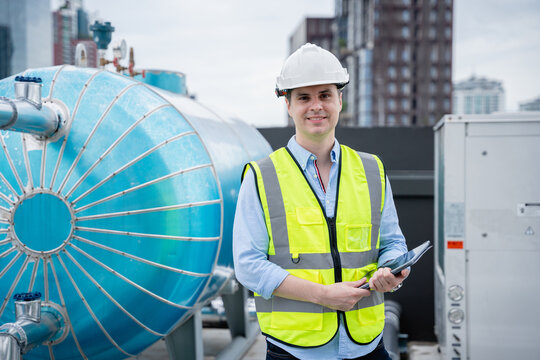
(302, 155)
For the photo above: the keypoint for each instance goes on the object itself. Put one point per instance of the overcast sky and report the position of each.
(232, 50)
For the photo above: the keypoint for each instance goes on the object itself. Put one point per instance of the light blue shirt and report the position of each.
(258, 274)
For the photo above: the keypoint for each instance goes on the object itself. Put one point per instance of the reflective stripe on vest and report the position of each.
(300, 234)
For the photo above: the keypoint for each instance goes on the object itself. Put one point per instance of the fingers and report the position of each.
(344, 295)
(383, 280)
(405, 273)
(358, 283)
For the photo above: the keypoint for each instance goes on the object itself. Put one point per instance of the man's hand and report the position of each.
(383, 280)
(339, 296)
(343, 295)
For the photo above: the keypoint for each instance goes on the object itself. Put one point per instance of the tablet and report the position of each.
(404, 261)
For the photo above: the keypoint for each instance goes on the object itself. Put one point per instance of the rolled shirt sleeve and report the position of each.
(392, 239)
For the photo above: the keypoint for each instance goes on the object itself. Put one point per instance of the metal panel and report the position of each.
(490, 198)
(503, 316)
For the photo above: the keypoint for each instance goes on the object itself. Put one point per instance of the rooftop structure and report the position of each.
(478, 95)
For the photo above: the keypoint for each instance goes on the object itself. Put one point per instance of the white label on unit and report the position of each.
(454, 220)
(528, 209)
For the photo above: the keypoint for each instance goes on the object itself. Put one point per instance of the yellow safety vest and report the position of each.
(324, 249)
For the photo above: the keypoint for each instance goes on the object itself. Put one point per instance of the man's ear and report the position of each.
(288, 106)
(340, 101)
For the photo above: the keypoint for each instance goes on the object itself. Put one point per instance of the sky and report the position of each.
(231, 51)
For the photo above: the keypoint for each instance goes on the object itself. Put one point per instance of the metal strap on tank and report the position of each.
(373, 176)
(14, 115)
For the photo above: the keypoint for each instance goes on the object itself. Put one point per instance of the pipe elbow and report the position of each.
(26, 113)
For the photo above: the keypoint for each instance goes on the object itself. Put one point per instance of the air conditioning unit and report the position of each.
(487, 231)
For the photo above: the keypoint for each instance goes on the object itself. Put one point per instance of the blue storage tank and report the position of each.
(123, 218)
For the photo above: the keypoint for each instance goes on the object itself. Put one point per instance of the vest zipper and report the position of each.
(335, 255)
(333, 248)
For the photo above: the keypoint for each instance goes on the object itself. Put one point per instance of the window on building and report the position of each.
(405, 15)
(434, 53)
(312, 27)
(468, 104)
(446, 105)
(433, 72)
(391, 72)
(478, 104)
(406, 2)
(432, 104)
(405, 104)
(405, 53)
(405, 72)
(323, 26)
(391, 104)
(377, 15)
(392, 88)
(405, 88)
(405, 32)
(447, 54)
(455, 105)
(432, 88)
(391, 119)
(448, 15)
(405, 119)
(487, 105)
(447, 72)
(447, 88)
(495, 103)
(392, 54)
(432, 34)
(433, 16)
(448, 32)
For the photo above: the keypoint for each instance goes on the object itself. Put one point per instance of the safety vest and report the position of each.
(324, 249)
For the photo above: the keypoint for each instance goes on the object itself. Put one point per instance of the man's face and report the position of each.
(315, 110)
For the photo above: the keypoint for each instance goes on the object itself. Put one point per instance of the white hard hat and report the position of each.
(310, 65)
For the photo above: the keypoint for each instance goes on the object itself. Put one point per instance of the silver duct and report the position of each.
(36, 323)
(26, 113)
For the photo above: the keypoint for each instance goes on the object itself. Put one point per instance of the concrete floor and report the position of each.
(214, 340)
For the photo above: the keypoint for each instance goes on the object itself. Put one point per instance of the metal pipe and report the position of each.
(9, 347)
(26, 113)
(392, 311)
(36, 324)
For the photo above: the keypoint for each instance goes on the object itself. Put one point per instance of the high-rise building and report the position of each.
(399, 57)
(6, 51)
(70, 29)
(531, 105)
(27, 31)
(315, 30)
(478, 95)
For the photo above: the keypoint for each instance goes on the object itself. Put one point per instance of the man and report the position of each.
(313, 222)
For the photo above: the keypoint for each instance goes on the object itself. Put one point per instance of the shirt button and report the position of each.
(328, 201)
(315, 176)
